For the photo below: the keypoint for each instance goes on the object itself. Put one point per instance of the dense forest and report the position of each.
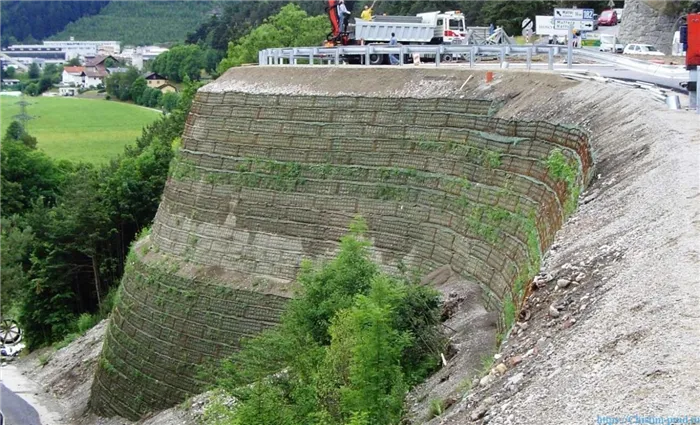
(141, 22)
(28, 21)
(66, 227)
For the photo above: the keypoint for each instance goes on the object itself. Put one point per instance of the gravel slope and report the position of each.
(626, 339)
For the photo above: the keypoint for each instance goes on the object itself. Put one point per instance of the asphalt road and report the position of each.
(16, 410)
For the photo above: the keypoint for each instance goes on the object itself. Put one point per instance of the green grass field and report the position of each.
(80, 129)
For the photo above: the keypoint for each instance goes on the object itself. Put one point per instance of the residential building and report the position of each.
(155, 80)
(167, 88)
(94, 77)
(96, 70)
(73, 75)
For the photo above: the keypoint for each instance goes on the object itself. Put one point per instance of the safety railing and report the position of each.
(645, 66)
(376, 54)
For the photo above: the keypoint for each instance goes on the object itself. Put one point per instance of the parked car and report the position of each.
(595, 21)
(642, 49)
(607, 18)
(609, 43)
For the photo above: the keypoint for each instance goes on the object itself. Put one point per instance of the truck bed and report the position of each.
(406, 32)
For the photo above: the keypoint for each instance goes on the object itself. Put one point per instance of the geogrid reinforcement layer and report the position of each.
(263, 181)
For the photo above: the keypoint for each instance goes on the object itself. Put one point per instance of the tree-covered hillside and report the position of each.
(141, 22)
(27, 21)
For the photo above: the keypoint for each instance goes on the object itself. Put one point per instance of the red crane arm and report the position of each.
(333, 16)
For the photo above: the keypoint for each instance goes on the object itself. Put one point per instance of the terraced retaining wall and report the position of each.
(265, 180)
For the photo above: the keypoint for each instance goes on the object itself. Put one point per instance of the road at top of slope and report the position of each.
(16, 410)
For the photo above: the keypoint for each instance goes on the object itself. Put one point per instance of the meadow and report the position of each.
(90, 130)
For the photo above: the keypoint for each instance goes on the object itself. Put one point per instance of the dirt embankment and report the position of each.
(613, 326)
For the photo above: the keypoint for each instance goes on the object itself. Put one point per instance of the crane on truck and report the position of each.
(424, 28)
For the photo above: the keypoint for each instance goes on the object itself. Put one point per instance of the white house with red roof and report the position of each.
(73, 75)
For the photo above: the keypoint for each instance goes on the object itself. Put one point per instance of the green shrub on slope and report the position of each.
(347, 349)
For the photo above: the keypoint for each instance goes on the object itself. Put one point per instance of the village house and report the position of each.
(96, 70)
(73, 75)
(157, 81)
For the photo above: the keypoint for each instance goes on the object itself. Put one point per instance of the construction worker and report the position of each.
(367, 12)
(393, 59)
(342, 11)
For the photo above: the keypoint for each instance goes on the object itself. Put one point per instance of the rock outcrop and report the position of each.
(650, 22)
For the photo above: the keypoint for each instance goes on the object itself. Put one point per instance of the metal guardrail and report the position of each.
(668, 71)
(336, 55)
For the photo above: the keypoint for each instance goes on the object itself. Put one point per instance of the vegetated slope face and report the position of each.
(140, 22)
(272, 173)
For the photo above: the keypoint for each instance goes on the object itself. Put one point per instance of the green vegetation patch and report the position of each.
(140, 22)
(348, 347)
(80, 129)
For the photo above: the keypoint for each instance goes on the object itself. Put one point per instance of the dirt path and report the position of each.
(15, 410)
(49, 410)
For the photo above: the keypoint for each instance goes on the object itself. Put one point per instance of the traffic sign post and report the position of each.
(574, 14)
(580, 19)
(564, 24)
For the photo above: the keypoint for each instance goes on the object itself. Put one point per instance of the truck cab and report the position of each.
(449, 27)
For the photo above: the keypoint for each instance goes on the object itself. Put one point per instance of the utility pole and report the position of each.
(570, 45)
(23, 117)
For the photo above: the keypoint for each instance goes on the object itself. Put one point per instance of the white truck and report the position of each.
(424, 28)
(609, 43)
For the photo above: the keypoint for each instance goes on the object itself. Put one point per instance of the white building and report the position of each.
(81, 49)
(136, 56)
(27, 54)
(66, 90)
(92, 79)
(73, 75)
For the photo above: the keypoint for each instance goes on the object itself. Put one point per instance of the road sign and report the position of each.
(564, 24)
(527, 24)
(544, 25)
(573, 14)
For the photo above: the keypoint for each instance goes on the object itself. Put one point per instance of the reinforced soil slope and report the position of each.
(621, 337)
(269, 175)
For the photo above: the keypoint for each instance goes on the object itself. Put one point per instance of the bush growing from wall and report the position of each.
(346, 349)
